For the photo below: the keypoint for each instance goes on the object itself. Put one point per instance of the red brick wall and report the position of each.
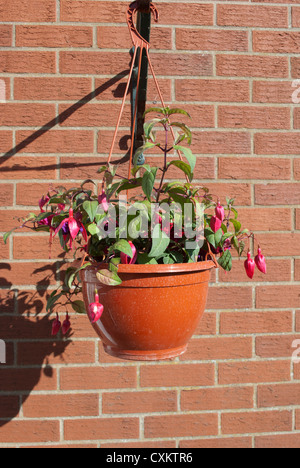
(232, 65)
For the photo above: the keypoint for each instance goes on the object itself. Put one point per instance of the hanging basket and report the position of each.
(155, 311)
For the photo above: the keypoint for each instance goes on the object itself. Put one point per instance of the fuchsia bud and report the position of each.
(261, 262)
(220, 212)
(215, 223)
(102, 200)
(249, 265)
(95, 309)
(66, 325)
(56, 326)
(125, 259)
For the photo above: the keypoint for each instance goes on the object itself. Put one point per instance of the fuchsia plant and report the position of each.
(163, 229)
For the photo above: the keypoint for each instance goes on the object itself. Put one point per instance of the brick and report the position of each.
(6, 194)
(212, 90)
(32, 247)
(4, 250)
(114, 89)
(29, 167)
(277, 296)
(11, 219)
(251, 168)
(297, 168)
(101, 62)
(101, 428)
(280, 42)
(254, 117)
(211, 39)
(233, 298)
(276, 143)
(94, 115)
(270, 91)
(92, 12)
(36, 11)
(218, 348)
(20, 379)
(269, 396)
(256, 322)
(256, 421)
(295, 67)
(5, 141)
(5, 35)
(278, 441)
(140, 445)
(9, 406)
(252, 66)
(30, 431)
(252, 16)
(207, 325)
(275, 345)
(183, 425)
(28, 273)
(240, 192)
(178, 375)
(26, 115)
(296, 17)
(57, 141)
(139, 402)
(75, 352)
(297, 270)
(277, 194)
(93, 378)
(64, 405)
(17, 61)
(198, 14)
(277, 271)
(208, 399)
(218, 443)
(262, 219)
(51, 89)
(254, 372)
(118, 37)
(54, 36)
(280, 245)
(219, 142)
(297, 219)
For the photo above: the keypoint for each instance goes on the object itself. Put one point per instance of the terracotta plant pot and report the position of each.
(155, 311)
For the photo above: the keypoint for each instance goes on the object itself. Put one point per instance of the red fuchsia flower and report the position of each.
(42, 202)
(249, 265)
(220, 211)
(56, 325)
(73, 226)
(95, 309)
(215, 223)
(125, 259)
(261, 261)
(102, 200)
(66, 325)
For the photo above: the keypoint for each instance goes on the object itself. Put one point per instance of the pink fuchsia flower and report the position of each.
(72, 226)
(215, 223)
(249, 265)
(56, 326)
(260, 262)
(220, 211)
(95, 309)
(125, 259)
(66, 325)
(42, 202)
(102, 200)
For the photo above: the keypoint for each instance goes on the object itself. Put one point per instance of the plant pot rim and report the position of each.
(159, 268)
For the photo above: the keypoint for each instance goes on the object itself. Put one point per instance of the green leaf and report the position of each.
(144, 259)
(226, 261)
(185, 129)
(53, 299)
(91, 209)
(109, 278)
(141, 150)
(210, 236)
(7, 234)
(78, 306)
(236, 224)
(93, 229)
(148, 182)
(122, 245)
(178, 111)
(160, 242)
(159, 110)
(218, 236)
(183, 167)
(191, 158)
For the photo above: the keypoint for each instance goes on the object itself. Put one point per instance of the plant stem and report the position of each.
(165, 168)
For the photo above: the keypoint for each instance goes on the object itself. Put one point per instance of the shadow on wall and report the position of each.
(118, 93)
(25, 329)
(24, 325)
